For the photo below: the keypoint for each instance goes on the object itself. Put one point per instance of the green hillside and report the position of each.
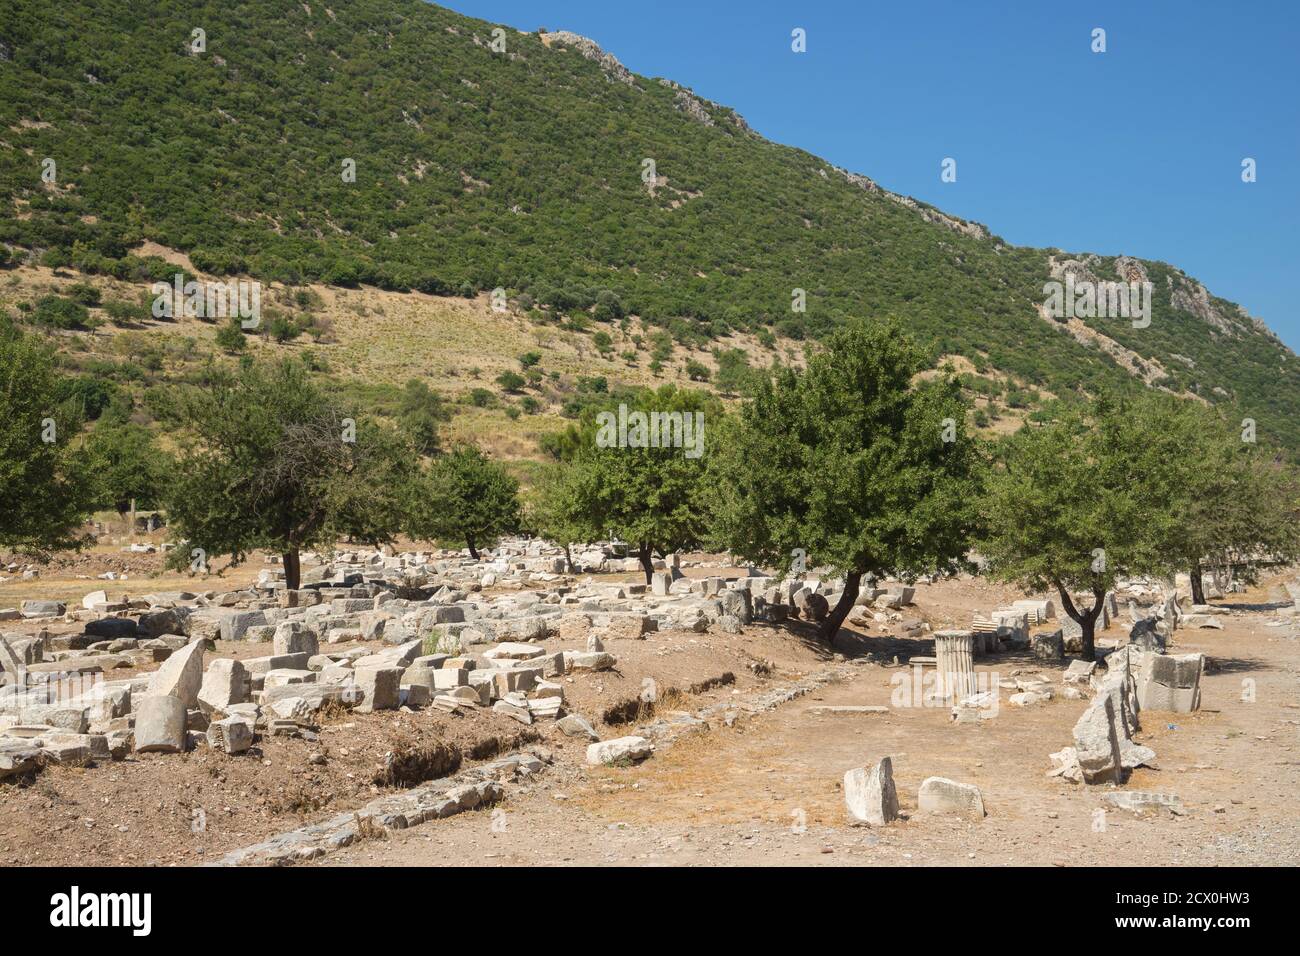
(524, 169)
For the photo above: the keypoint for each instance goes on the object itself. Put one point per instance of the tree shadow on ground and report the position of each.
(806, 634)
(882, 647)
(1266, 606)
(1238, 665)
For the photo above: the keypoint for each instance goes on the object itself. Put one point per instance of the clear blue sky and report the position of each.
(1137, 150)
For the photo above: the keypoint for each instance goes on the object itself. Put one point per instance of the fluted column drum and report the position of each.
(955, 664)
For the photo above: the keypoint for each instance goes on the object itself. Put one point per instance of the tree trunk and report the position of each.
(831, 626)
(568, 559)
(1087, 620)
(647, 562)
(473, 552)
(1198, 590)
(292, 569)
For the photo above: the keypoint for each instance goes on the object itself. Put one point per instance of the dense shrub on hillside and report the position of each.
(467, 179)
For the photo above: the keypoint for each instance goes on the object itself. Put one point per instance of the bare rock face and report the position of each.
(870, 794)
(692, 107)
(592, 51)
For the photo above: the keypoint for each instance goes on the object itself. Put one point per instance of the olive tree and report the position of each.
(45, 487)
(272, 462)
(859, 464)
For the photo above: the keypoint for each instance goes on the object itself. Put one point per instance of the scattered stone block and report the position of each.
(632, 627)
(574, 627)
(379, 687)
(588, 661)
(18, 758)
(1049, 646)
(1171, 682)
(1079, 672)
(571, 725)
(294, 637)
(941, 795)
(510, 651)
(619, 750)
(1140, 800)
(515, 710)
(232, 735)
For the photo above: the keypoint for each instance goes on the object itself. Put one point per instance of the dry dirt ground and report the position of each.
(764, 791)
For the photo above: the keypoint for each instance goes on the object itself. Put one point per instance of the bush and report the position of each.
(696, 371)
(125, 313)
(230, 337)
(85, 293)
(58, 313)
(283, 329)
(510, 381)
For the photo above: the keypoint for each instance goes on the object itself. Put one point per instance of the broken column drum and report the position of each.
(954, 664)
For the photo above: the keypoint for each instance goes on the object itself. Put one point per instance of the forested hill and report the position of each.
(526, 168)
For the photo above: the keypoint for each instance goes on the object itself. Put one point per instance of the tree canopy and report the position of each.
(464, 496)
(276, 464)
(1076, 504)
(45, 489)
(622, 485)
(127, 466)
(858, 464)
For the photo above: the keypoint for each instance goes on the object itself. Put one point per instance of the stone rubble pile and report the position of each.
(1134, 680)
(439, 639)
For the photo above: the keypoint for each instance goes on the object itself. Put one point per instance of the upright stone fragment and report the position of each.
(870, 794)
(160, 725)
(225, 683)
(13, 667)
(1096, 743)
(1171, 682)
(180, 676)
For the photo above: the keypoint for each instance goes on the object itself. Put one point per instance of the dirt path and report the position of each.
(767, 790)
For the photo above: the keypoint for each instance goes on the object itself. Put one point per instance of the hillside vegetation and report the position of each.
(525, 169)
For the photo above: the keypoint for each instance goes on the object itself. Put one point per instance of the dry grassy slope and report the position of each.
(378, 340)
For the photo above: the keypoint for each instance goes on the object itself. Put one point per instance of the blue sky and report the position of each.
(1137, 150)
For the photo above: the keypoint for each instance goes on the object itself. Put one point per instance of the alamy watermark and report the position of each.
(1099, 300)
(651, 430)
